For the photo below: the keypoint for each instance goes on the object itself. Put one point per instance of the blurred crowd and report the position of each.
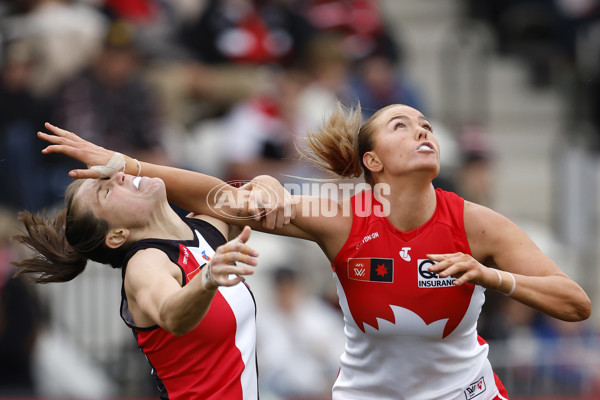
(228, 88)
(559, 43)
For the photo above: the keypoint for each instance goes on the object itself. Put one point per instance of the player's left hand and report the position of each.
(222, 268)
(464, 268)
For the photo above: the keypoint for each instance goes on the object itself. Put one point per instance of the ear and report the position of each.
(117, 237)
(372, 162)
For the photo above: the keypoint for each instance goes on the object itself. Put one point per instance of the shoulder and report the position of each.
(222, 227)
(479, 217)
(148, 264)
(490, 232)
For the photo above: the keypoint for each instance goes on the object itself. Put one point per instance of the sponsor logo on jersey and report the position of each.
(368, 238)
(188, 262)
(404, 253)
(371, 269)
(475, 389)
(371, 236)
(428, 279)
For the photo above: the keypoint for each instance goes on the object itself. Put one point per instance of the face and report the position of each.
(404, 143)
(123, 200)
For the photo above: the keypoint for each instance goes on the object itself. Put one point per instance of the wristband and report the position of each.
(514, 285)
(499, 279)
(207, 279)
(139, 167)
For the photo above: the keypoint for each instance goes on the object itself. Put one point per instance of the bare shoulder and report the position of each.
(148, 265)
(481, 220)
(491, 234)
(223, 227)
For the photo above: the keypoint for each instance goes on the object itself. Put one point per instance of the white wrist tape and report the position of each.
(115, 164)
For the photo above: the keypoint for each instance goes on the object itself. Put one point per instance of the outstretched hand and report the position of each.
(71, 145)
(221, 270)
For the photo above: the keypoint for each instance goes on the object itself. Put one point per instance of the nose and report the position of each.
(119, 177)
(422, 134)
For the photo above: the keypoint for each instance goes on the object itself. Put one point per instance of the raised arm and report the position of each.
(263, 204)
(523, 271)
(154, 291)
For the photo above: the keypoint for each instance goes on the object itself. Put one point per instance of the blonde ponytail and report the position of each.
(333, 147)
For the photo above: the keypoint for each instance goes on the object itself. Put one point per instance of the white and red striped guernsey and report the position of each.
(410, 334)
(216, 360)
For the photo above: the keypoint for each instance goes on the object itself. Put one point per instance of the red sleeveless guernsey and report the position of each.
(217, 359)
(410, 333)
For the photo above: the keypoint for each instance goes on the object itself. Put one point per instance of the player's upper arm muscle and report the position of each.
(150, 279)
(494, 238)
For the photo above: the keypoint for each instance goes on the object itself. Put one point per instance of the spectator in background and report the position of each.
(64, 34)
(378, 80)
(21, 113)
(110, 104)
(255, 32)
(542, 33)
(376, 77)
(328, 68)
(259, 132)
(19, 319)
(300, 340)
(567, 356)
(477, 163)
(232, 42)
(359, 22)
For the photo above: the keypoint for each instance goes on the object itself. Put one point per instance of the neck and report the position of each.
(165, 224)
(412, 203)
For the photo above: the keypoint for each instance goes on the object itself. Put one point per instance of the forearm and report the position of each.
(183, 311)
(555, 295)
(200, 194)
(187, 189)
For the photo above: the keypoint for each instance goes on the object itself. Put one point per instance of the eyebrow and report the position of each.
(397, 116)
(405, 117)
(101, 183)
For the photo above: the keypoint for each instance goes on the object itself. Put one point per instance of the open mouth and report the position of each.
(136, 181)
